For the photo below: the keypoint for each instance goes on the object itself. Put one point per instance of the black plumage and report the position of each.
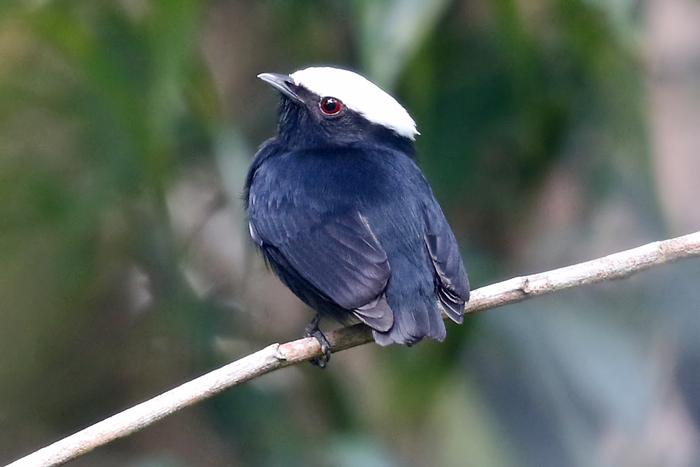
(347, 220)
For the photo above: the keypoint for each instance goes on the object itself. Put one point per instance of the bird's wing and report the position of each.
(454, 285)
(337, 253)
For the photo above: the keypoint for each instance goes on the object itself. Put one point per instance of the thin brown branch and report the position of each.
(277, 356)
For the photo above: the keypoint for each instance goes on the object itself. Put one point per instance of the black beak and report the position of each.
(282, 83)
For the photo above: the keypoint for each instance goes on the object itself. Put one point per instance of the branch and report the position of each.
(278, 356)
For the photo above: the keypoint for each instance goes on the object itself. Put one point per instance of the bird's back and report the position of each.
(370, 207)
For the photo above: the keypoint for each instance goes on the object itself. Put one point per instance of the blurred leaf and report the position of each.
(348, 451)
(390, 33)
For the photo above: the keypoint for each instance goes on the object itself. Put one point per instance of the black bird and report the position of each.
(344, 216)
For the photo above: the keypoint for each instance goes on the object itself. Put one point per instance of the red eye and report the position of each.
(331, 105)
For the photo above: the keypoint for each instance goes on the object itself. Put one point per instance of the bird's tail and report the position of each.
(413, 320)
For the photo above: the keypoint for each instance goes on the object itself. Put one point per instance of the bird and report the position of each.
(344, 216)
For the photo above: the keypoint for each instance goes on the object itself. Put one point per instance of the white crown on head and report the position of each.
(358, 94)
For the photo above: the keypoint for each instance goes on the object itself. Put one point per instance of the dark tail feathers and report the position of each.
(412, 322)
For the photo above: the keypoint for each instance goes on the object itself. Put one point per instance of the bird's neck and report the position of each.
(295, 140)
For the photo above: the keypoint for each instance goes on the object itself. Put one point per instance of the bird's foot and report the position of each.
(312, 330)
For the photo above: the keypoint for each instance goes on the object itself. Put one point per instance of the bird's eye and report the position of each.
(331, 105)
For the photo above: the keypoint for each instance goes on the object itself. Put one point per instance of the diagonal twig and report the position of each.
(278, 356)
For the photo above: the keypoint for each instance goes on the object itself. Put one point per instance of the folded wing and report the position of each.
(453, 285)
(338, 254)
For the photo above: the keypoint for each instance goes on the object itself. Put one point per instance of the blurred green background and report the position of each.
(552, 131)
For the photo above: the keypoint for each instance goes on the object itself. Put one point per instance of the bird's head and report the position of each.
(324, 106)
